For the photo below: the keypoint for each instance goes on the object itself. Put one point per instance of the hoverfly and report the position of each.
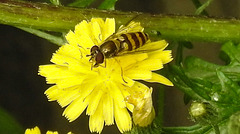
(127, 39)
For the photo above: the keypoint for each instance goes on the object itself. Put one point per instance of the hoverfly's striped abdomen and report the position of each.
(123, 43)
(115, 45)
(132, 41)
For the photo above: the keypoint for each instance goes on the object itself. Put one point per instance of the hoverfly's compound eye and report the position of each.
(99, 58)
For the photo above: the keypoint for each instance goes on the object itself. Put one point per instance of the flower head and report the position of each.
(101, 90)
(36, 130)
(143, 111)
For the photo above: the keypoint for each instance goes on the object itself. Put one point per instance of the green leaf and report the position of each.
(81, 3)
(196, 88)
(55, 2)
(200, 69)
(108, 4)
(8, 124)
(229, 93)
(54, 39)
(232, 51)
(233, 124)
(201, 7)
(211, 84)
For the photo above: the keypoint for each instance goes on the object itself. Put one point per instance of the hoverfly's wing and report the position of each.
(148, 47)
(132, 27)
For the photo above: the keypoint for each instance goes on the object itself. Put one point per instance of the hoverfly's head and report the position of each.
(96, 56)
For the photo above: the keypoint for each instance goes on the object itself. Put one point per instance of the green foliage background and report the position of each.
(202, 81)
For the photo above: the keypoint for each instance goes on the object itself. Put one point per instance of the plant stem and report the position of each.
(173, 27)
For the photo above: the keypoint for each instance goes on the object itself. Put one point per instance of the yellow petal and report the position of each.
(96, 121)
(159, 79)
(83, 28)
(108, 109)
(109, 28)
(70, 82)
(69, 51)
(152, 46)
(116, 94)
(165, 56)
(127, 61)
(67, 96)
(75, 109)
(65, 57)
(150, 64)
(70, 37)
(53, 93)
(138, 74)
(34, 130)
(96, 32)
(54, 73)
(122, 118)
(52, 132)
(93, 99)
(83, 33)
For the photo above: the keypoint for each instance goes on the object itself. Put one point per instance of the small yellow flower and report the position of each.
(36, 130)
(143, 111)
(52, 132)
(102, 90)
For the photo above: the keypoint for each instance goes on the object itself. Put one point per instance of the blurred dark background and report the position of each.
(22, 89)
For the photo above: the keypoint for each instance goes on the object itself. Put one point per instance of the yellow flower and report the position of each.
(143, 111)
(36, 130)
(101, 90)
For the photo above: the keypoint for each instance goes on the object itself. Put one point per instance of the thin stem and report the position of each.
(178, 28)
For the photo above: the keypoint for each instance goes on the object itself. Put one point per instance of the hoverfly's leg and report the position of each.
(92, 66)
(100, 37)
(122, 75)
(80, 47)
(104, 64)
(121, 71)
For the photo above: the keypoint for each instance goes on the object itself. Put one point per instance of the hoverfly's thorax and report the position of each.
(109, 48)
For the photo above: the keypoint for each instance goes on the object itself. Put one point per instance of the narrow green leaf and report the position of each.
(54, 39)
(179, 55)
(108, 4)
(8, 124)
(55, 2)
(201, 9)
(232, 51)
(195, 129)
(186, 99)
(81, 3)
